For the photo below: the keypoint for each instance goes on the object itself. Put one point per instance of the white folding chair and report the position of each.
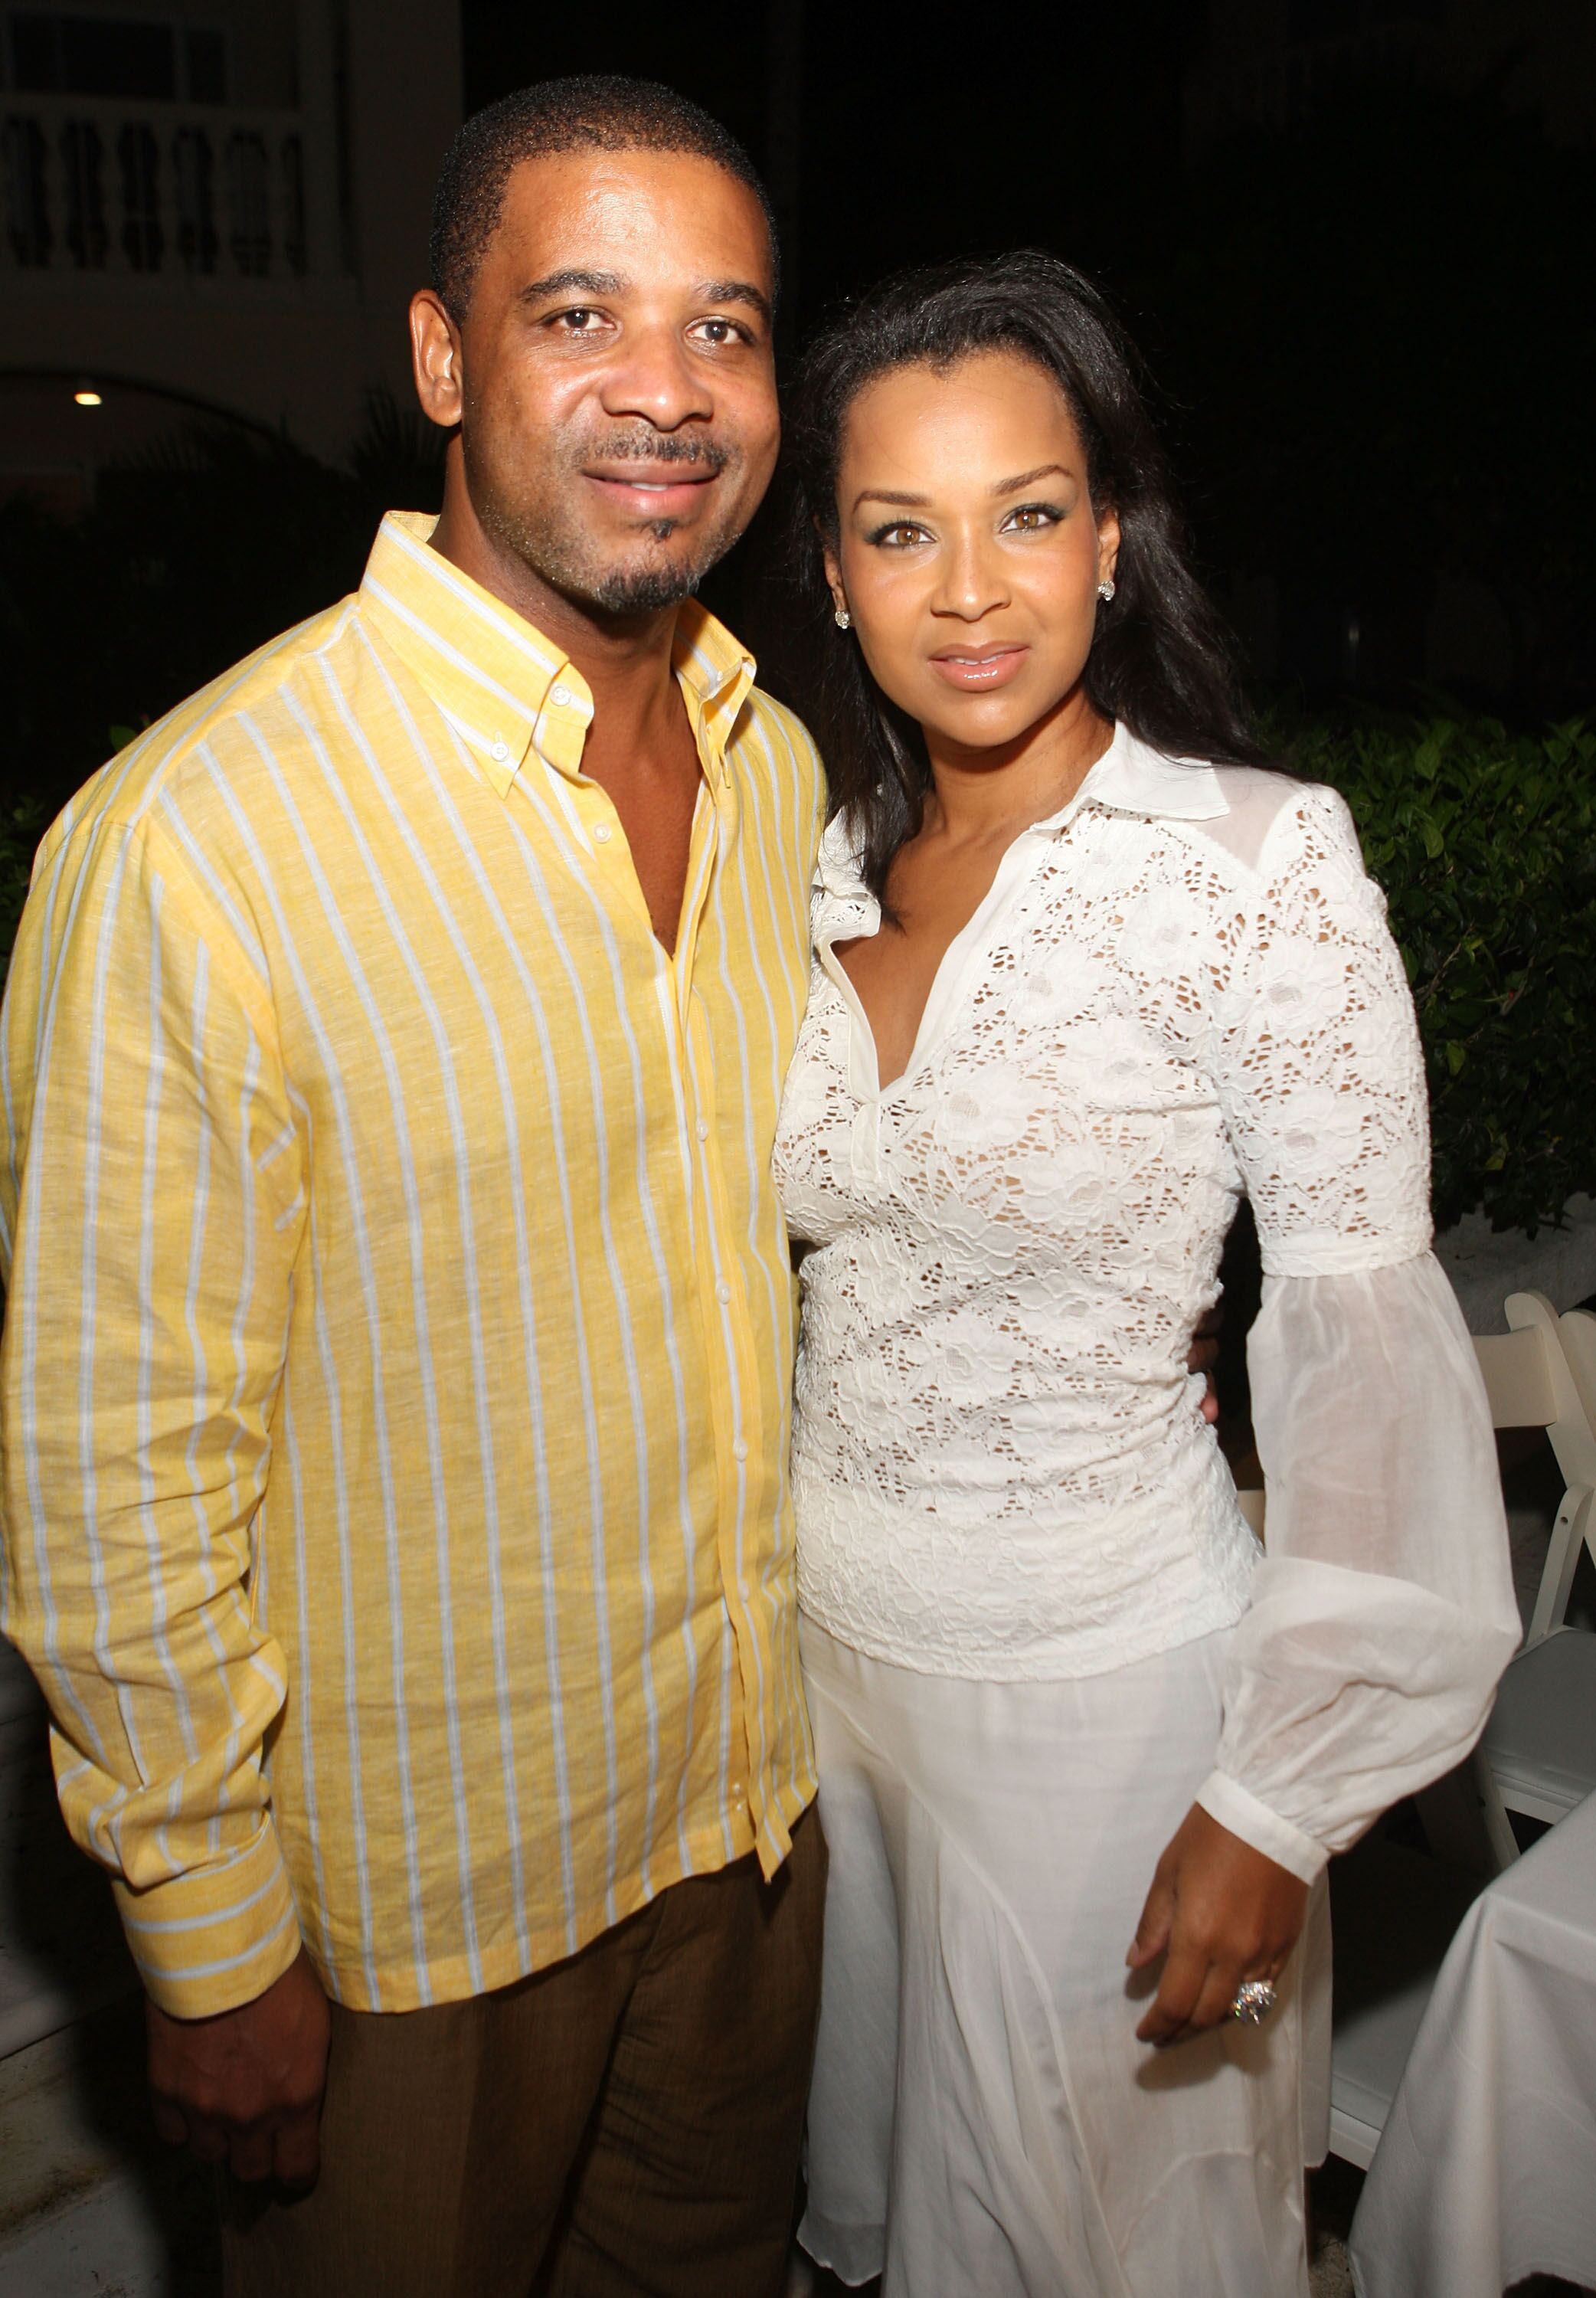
(1396, 1910)
(1538, 1752)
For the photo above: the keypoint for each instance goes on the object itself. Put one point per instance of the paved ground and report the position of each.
(91, 2204)
(94, 2207)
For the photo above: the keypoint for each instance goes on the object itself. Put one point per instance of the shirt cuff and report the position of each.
(1238, 1809)
(216, 1937)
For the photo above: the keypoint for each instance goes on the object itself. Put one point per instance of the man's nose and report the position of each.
(655, 377)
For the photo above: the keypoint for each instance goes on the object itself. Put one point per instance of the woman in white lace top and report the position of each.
(1086, 972)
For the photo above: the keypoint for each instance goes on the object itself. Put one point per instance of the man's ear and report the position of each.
(435, 359)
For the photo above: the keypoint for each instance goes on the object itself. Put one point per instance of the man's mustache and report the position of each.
(657, 447)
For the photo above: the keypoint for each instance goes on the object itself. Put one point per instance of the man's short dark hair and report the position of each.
(594, 111)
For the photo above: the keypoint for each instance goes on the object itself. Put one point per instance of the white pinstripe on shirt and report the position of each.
(395, 1378)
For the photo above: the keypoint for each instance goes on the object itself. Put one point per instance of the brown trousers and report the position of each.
(628, 2121)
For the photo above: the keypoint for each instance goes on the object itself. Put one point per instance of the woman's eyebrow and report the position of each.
(1029, 478)
(1002, 487)
(886, 495)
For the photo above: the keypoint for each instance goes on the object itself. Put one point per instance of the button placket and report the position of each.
(715, 822)
(864, 1145)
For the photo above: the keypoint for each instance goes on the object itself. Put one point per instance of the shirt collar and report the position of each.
(503, 686)
(1131, 777)
(717, 674)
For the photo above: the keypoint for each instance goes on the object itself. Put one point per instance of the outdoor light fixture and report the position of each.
(87, 397)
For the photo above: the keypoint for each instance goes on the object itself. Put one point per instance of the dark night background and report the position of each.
(1365, 297)
(1372, 324)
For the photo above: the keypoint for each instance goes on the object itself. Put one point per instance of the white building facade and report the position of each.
(209, 205)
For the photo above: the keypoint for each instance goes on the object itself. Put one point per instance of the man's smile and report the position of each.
(652, 491)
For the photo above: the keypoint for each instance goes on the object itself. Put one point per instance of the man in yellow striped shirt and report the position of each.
(399, 1333)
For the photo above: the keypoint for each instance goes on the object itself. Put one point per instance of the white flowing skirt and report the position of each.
(983, 2120)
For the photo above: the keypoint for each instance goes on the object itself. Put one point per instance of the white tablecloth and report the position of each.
(1487, 2170)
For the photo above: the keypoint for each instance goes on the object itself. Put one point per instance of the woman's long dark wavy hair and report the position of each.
(1160, 659)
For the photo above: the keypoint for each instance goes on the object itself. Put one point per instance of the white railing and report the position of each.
(177, 190)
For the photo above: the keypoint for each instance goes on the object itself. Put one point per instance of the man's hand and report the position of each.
(244, 2087)
(1203, 1355)
(1219, 1913)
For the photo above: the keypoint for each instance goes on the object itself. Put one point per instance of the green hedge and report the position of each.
(1485, 844)
(20, 829)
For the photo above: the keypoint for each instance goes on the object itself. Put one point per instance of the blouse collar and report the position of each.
(1131, 777)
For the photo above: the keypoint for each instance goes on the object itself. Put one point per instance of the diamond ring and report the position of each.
(1253, 2001)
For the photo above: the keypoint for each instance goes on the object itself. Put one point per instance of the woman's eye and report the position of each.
(898, 536)
(1031, 518)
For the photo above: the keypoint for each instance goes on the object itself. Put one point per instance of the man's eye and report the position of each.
(579, 321)
(717, 331)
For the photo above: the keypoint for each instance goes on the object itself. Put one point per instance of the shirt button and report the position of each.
(500, 750)
(702, 1130)
(602, 832)
(739, 1450)
(739, 1794)
(562, 695)
(723, 1292)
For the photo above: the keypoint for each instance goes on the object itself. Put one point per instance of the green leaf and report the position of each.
(1484, 842)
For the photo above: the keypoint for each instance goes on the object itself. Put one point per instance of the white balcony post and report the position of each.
(115, 186)
(277, 208)
(166, 208)
(57, 202)
(15, 222)
(318, 114)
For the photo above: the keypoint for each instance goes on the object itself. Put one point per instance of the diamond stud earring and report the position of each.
(844, 619)
(1106, 590)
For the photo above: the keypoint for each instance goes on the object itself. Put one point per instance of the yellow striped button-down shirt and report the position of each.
(399, 1327)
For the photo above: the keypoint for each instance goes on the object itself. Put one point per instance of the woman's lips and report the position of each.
(977, 670)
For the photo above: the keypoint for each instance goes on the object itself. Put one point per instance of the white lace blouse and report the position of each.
(1180, 986)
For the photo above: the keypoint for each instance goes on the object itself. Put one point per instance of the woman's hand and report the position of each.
(1219, 1913)
(1203, 1355)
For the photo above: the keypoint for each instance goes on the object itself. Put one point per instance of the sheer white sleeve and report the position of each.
(1383, 1612)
